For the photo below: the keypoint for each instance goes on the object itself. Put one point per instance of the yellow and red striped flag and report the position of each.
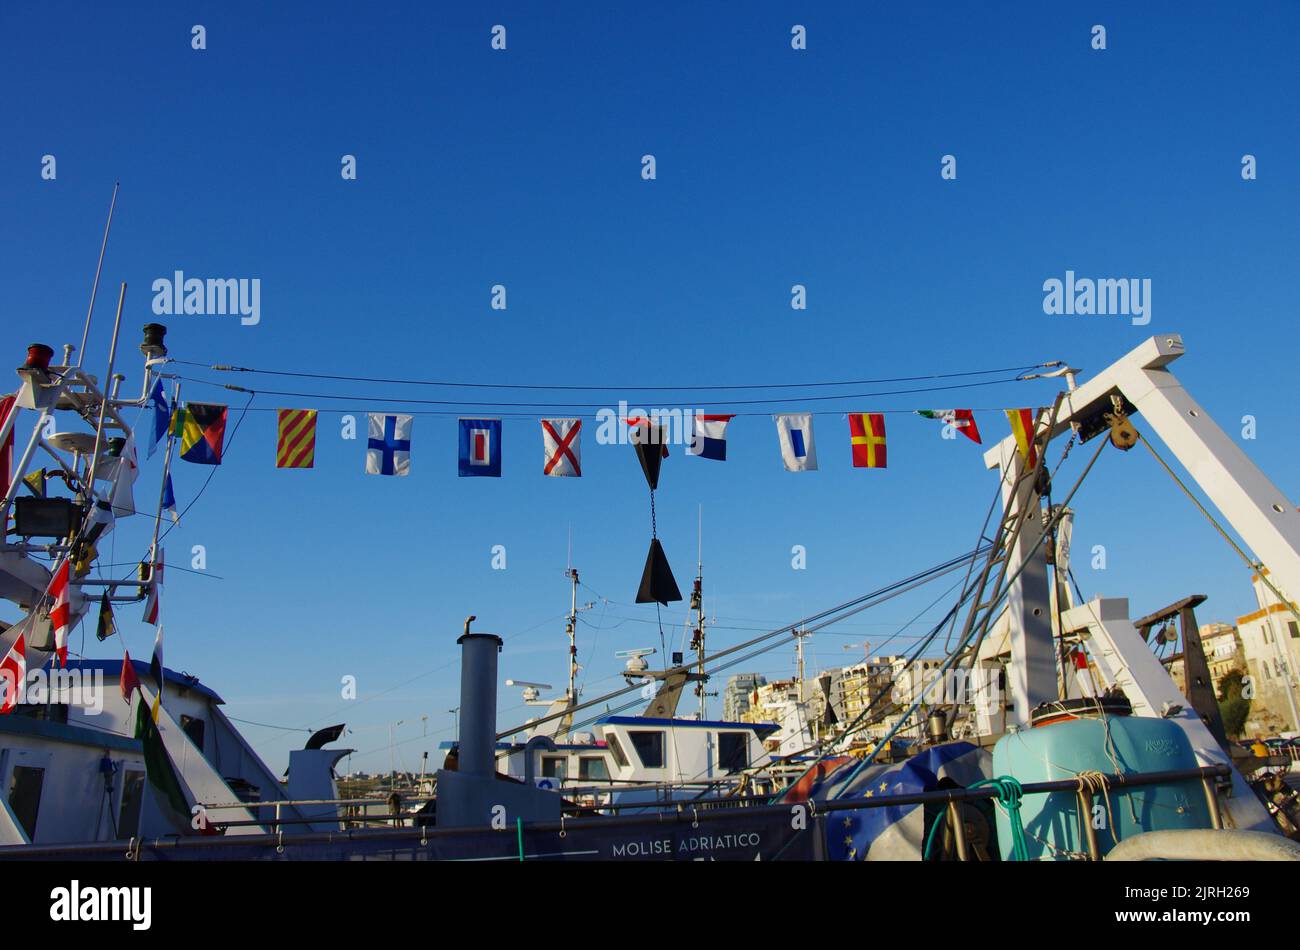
(1022, 427)
(296, 445)
(867, 434)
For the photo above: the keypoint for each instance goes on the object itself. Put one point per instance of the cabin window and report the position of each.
(50, 712)
(733, 751)
(554, 766)
(1294, 628)
(25, 796)
(592, 767)
(193, 728)
(128, 815)
(620, 757)
(649, 747)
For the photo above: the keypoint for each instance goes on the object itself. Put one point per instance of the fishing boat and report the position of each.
(1020, 767)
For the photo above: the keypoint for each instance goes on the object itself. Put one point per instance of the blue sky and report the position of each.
(523, 168)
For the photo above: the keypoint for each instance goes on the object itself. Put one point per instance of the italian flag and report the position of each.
(963, 420)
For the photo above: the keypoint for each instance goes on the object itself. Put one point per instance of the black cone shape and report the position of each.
(650, 450)
(657, 583)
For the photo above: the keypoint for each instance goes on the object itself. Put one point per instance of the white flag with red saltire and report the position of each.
(561, 447)
(13, 672)
(155, 590)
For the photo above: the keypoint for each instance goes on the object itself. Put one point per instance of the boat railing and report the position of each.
(683, 812)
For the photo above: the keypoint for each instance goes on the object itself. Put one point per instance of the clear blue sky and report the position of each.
(522, 167)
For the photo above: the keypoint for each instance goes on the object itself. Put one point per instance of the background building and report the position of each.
(1270, 643)
(736, 697)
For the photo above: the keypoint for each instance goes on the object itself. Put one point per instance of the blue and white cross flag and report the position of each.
(162, 416)
(388, 451)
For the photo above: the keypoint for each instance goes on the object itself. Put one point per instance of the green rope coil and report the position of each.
(1009, 794)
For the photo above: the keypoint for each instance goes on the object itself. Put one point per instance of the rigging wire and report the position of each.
(848, 608)
(554, 387)
(1256, 566)
(465, 405)
(1003, 590)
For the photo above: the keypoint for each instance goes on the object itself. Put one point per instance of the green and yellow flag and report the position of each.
(107, 626)
(157, 763)
(35, 482)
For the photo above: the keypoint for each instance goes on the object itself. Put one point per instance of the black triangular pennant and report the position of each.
(657, 582)
(649, 442)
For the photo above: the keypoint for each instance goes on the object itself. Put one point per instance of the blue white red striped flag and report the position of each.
(710, 439)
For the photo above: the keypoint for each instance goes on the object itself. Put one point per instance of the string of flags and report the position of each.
(200, 429)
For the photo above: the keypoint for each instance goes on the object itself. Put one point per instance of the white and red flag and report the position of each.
(13, 672)
(7, 406)
(155, 590)
(60, 611)
(561, 447)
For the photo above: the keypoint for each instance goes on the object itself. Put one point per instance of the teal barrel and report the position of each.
(1063, 749)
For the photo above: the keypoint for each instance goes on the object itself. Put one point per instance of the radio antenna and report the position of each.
(94, 288)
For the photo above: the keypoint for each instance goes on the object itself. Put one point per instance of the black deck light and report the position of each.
(153, 345)
(657, 582)
(45, 517)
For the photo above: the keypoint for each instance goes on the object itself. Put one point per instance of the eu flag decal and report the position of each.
(480, 448)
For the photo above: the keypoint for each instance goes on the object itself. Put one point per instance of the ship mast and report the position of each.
(697, 605)
(571, 628)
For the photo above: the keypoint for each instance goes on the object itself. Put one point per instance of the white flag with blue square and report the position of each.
(388, 450)
(798, 451)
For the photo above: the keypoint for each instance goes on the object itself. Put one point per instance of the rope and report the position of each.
(1009, 796)
(1256, 566)
(1092, 782)
(939, 822)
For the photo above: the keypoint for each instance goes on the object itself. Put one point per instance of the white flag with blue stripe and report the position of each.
(798, 451)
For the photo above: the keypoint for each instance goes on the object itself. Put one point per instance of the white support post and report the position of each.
(1031, 680)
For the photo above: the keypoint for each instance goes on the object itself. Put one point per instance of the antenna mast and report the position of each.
(571, 628)
(94, 287)
(697, 605)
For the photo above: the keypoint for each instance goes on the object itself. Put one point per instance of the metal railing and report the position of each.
(684, 812)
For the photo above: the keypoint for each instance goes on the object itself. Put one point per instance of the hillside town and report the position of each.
(1252, 666)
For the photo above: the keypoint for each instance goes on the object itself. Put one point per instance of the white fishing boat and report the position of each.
(156, 763)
